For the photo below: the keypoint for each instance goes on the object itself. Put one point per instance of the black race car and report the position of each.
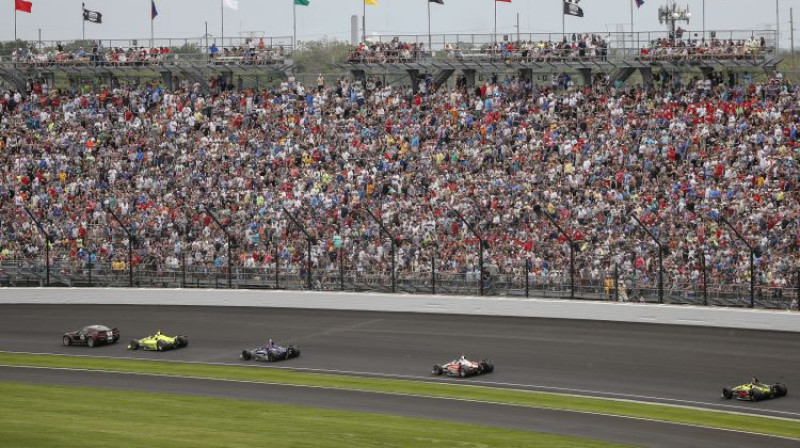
(270, 352)
(91, 336)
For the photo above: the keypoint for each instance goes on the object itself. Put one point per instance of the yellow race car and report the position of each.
(755, 391)
(159, 342)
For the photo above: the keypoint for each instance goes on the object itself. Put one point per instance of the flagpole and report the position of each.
(631, 3)
(364, 22)
(294, 19)
(704, 21)
(15, 22)
(222, 22)
(429, 25)
(494, 38)
(83, 22)
(152, 19)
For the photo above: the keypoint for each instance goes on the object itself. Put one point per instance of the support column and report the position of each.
(414, 76)
(359, 75)
(526, 74)
(166, 79)
(469, 76)
(586, 75)
(647, 76)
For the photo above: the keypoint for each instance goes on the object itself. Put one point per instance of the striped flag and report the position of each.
(153, 10)
(639, 3)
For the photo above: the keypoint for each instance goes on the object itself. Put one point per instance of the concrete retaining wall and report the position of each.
(543, 308)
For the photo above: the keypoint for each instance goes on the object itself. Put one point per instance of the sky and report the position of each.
(130, 19)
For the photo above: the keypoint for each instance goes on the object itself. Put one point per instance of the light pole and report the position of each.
(671, 15)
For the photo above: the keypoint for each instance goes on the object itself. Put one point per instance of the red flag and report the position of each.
(506, 1)
(22, 5)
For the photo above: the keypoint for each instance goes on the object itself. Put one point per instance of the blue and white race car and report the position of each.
(270, 352)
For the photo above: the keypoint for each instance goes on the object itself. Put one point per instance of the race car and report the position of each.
(270, 352)
(91, 336)
(755, 391)
(159, 342)
(463, 367)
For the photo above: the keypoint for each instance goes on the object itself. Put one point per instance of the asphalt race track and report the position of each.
(682, 365)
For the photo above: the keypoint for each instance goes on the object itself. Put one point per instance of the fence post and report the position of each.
(433, 272)
(341, 269)
(527, 279)
(538, 209)
(308, 241)
(797, 291)
(46, 244)
(130, 247)
(90, 270)
(480, 248)
(705, 277)
(183, 269)
(308, 264)
(277, 280)
(752, 260)
(660, 259)
(394, 243)
(616, 282)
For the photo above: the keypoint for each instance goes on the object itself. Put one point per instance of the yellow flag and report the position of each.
(371, 2)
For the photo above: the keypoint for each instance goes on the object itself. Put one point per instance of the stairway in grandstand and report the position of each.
(13, 78)
(441, 77)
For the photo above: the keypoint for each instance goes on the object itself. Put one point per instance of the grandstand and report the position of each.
(616, 55)
(110, 61)
(680, 188)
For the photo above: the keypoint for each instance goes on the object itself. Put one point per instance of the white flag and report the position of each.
(233, 4)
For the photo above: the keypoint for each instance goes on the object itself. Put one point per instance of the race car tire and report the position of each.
(781, 390)
(134, 344)
(270, 357)
(67, 341)
(488, 367)
(246, 355)
(160, 346)
(181, 341)
(437, 370)
(90, 342)
(727, 393)
(757, 396)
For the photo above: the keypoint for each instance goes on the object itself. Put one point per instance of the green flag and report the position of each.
(302, 2)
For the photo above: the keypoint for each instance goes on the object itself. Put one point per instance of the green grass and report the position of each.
(711, 419)
(54, 416)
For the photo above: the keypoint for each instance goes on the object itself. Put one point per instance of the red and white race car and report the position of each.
(463, 367)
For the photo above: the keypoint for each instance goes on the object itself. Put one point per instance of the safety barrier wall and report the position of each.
(754, 319)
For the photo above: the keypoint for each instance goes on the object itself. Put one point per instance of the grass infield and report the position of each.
(706, 418)
(55, 416)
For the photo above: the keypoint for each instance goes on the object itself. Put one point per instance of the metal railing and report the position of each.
(611, 286)
(141, 52)
(750, 46)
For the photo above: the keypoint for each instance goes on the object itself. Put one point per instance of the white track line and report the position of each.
(568, 392)
(465, 400)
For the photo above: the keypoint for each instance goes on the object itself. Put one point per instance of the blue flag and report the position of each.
(153, 10)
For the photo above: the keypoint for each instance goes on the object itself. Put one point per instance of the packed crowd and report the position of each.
(577, 47)
(387, 52)
(501, 155)
(250, 53)
(695, 49)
